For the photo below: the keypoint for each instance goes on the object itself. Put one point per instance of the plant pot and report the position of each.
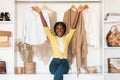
(19, 70)
(29, 67)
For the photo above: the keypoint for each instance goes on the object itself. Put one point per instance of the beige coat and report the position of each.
(78, 44)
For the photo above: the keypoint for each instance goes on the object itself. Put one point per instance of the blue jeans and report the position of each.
(58, 67)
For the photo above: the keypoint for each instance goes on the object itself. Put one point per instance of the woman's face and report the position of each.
(59, 30)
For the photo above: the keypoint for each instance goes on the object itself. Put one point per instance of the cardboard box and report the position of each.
(5, 33)
(4, 44)
(4, 38)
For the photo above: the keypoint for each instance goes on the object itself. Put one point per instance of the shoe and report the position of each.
(7, 16)
(1, 16)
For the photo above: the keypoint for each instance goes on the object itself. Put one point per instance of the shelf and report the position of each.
(112, 74)
(97, 74)
(6, 22)
(93, 74)
(111, 22)
(112, 47)
(5, 48)
(60, 0)
(6, 74)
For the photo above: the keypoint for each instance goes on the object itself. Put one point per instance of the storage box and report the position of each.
(29, 67)
(19, 70)
(5, 33)
(113, 65)
(4, 38)
(4, 44)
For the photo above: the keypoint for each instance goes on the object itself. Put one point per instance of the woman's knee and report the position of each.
(53, 65)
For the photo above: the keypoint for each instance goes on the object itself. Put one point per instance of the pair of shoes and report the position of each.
(4, 16)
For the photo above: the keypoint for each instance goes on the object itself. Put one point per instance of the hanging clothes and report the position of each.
(78, 44)
(89, 20)
(52, 16)
(53, 20)
(68, 19)
(44, 51)
(32, 28)
(32, 33)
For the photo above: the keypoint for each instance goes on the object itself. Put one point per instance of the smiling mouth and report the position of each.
(59, 33)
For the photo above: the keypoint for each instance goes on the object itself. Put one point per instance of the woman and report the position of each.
(59, 42)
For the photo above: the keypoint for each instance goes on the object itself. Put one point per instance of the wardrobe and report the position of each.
(97, 56)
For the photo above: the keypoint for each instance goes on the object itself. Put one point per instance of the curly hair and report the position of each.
(60, 23)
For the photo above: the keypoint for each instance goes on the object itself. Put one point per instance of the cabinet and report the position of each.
(110, 51)
(13, 59)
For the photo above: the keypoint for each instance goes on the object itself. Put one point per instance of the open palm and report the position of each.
(36, 8)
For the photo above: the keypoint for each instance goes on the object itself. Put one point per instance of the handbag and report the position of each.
(113, 37)
(2, 67)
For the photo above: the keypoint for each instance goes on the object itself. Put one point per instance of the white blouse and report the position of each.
(90, 21)
(32, 27)
(61, 45)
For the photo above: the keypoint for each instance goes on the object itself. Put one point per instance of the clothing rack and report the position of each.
(57, 1)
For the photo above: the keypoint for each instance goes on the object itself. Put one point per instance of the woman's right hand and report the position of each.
(36, 8)
(80, 8)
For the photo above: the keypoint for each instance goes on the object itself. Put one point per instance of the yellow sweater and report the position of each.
(55, 44)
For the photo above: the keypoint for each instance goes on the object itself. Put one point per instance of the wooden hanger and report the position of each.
(86, 6)
(81, 8)
(73, 7)
(44, 6)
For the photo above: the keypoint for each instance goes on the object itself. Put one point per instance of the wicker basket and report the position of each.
(29, 67)
(111, 68)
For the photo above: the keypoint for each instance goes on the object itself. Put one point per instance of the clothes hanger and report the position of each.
(81, 8)
(73, 7)
(86, 6)
(44, 6)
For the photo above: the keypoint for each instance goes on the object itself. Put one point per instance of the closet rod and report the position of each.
(58, 1)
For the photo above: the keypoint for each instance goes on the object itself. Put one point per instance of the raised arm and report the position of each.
(38, 10)
(80, 8)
